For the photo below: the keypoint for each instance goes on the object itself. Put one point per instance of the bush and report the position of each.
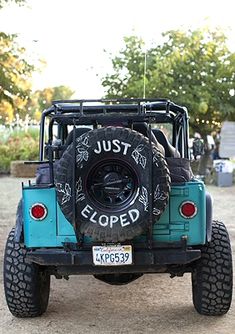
(18, 146)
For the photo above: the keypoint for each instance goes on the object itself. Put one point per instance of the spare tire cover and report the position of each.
(112, 183)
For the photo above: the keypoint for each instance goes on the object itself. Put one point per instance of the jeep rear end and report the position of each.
(114, 198)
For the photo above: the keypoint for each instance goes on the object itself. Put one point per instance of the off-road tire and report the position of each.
(212, 276)
(26, 285)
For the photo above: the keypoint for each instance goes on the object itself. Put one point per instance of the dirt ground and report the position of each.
(152, 304)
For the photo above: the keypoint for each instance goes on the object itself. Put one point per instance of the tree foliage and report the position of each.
(193, 68)
(15, 84)
(41, 99)
(4, 2)
(15, 77)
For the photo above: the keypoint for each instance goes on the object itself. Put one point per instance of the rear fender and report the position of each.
(18, 236)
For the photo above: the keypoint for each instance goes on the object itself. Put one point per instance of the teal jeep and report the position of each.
(115, 197)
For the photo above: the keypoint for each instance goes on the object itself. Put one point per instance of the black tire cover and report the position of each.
(110, 146)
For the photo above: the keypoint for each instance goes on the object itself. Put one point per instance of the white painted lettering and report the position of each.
(126, 146)
(103, 220)
(107, 148)
(99, 148)
(116, 143)
(114, 146)
(123, 220)
(86, 210)
(92, 219)
(113, 220)
(134, 214)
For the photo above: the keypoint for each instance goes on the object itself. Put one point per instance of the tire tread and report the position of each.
(212, 278)
(21, 282)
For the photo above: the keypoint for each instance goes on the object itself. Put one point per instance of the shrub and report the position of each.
(18, 146)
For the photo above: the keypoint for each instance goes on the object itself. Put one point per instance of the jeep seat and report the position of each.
(170, 151)
(143, 129)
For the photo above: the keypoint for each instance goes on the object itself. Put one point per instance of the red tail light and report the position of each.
(188, 209)
(38, 211)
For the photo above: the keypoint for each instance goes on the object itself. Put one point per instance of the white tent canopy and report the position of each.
(227, 143)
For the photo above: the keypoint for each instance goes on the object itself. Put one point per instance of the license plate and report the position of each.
(112, 255)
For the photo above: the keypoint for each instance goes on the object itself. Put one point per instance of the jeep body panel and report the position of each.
(54, 229)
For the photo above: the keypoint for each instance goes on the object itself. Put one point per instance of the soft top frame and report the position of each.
(102, 111)
(91, 107)
(91, 111)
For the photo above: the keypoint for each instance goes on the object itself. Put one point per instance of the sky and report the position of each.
(71, 35)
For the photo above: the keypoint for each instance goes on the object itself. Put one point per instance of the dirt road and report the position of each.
(152, 304)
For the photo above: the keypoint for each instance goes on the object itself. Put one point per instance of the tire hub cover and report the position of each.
(111, 184)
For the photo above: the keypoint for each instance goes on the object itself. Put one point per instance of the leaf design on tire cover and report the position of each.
(82, 149)
(81, 155)
(80, 196)
(144, 198)
(155, 160)
(83, 141)
(142, 161)
(159, 194)
(138, 157)
(66, 190)
(79, 184)
(59, 187)
(156, 212)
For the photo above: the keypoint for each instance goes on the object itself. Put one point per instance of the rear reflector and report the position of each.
(38, 211)
(188, 209)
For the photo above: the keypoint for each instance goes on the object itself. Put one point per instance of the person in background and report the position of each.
(215, 154)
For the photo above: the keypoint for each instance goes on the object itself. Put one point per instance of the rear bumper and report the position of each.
(81, 262)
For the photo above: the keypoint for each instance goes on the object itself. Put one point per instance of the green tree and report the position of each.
(4, 2)
(193, 68)
(41, 99)
(15, 77)
(15, 74)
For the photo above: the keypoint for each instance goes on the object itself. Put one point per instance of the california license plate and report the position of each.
(112, 255)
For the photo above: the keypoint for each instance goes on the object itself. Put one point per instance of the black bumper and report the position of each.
(144, 260)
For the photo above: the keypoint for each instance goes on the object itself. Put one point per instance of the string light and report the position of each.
(203, 121)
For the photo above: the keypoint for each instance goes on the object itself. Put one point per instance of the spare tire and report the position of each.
(112, 183)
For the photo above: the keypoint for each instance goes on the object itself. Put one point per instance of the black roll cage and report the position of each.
(101, 111)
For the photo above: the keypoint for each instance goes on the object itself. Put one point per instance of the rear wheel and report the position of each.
(27, 285)
(212, 276)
